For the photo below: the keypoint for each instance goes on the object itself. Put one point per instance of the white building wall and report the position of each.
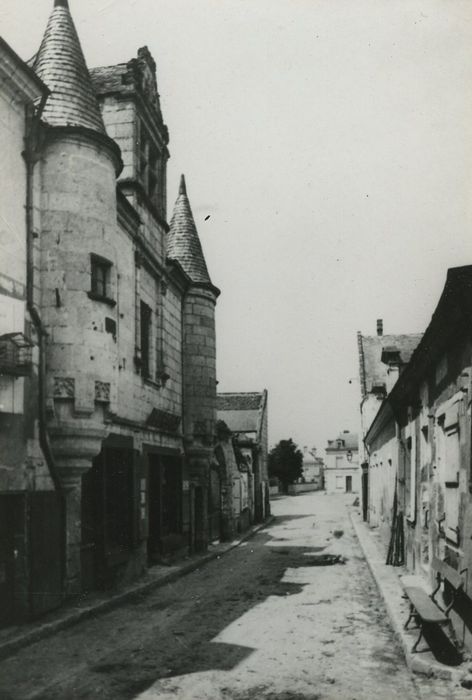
(337, 468)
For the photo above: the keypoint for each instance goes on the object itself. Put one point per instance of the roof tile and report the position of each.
(183, 243)
(60, 64)
(374, 370)
(239, 401)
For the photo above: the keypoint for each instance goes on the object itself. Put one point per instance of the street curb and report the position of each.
(10, 646)
(390, 589)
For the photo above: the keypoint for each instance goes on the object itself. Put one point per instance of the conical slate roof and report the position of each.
(61, 65)
(183, 242)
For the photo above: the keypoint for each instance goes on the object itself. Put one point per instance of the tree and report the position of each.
(286, 462)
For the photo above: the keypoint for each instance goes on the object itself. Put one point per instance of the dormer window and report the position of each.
(379, 390)
(391, 356)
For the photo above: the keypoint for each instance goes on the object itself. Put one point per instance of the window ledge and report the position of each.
(152, 382)
(104, 300)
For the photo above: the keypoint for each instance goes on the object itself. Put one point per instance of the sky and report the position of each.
(329, 143)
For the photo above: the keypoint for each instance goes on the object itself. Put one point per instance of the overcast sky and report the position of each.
(330, 143)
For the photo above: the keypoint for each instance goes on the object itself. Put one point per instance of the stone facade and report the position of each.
(123, 369)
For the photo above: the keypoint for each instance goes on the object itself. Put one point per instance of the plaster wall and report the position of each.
(12, 201)
(431, 456)
(369, 408)
(336, 471)
(383, 470)
(22, 465)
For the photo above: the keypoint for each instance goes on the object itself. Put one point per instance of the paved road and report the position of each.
(270, 620)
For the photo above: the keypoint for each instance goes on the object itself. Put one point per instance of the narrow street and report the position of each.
(274, 618)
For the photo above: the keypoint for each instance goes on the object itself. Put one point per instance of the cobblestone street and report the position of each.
(273, 618)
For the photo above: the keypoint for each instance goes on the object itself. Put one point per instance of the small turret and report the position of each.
(184, 243)
(79, 163)
(199, 352)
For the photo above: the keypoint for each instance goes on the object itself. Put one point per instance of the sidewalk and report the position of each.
(15, 637)
(390, 588)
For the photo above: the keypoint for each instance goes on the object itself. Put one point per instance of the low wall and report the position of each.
(293, 489)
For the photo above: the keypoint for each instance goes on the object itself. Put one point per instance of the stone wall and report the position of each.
(199, 364)
(119, 117)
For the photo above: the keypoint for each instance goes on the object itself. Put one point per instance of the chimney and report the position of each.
(380, 326)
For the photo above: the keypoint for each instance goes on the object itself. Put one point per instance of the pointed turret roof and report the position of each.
(183, 242)
(60, 64)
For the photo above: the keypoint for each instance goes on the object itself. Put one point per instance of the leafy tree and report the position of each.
(286, 462)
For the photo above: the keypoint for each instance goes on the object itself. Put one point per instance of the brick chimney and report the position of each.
(379, 326)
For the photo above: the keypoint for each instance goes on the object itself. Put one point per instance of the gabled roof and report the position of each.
(60, 64)
(242, 412)
(373, 372)
(183, 243)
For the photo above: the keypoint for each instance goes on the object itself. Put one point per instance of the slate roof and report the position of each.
(372, 370)
(60, 64)
(183, 243)
(240, 411)
(351, 442)
(453, 313)
(109, 79)
(250, 401)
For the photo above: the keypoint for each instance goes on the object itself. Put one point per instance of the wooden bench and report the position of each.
(445, 574)
(422, 608)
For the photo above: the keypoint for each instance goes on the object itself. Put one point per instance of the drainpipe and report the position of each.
(29, 155)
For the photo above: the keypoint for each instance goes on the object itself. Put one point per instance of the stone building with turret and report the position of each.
(122, 326)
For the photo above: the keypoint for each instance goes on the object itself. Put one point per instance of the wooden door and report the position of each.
(46, 530)
(9, 507)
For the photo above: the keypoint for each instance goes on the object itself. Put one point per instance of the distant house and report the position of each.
(342, 464)
(245, 414)
(312, 468)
